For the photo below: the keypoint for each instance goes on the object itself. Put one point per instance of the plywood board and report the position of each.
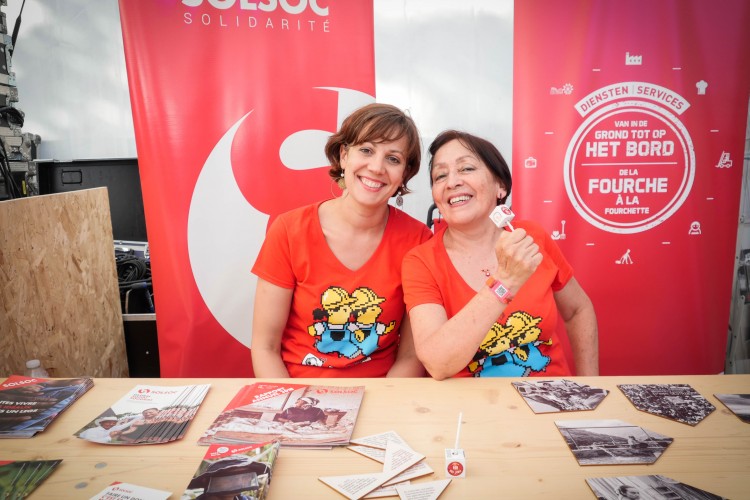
(59, 297)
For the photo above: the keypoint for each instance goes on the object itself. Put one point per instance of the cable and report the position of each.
(133, 273)
(132, 269)
(16, 27)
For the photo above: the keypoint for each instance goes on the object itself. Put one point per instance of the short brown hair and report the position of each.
(376, 123)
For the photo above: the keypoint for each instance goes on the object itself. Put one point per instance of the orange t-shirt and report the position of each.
(342, 323)
(522, 342)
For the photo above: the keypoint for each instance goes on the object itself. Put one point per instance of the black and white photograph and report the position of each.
(739, 404)
(678, 402)
(646, 488)
(612, 442)
(549, 396)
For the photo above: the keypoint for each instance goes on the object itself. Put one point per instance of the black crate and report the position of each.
(121, 178)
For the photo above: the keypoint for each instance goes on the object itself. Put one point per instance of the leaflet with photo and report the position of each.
(19, 478)
(298, 415)
(28, 404)
(148, 414)
(234, 471)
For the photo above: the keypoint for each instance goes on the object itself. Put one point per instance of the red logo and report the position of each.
(455, 468)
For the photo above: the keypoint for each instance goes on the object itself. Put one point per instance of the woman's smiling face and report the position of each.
(373, 171)
(463, 187)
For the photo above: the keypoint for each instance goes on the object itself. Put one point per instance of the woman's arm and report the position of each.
(446, 346)
(407, 364)
(578, 313)
(270, 314)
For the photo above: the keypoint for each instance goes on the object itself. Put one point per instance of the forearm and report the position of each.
(406, 366)
(577, 310)
(584, 342)
(267, 363)
(452, 346)
(271, 311)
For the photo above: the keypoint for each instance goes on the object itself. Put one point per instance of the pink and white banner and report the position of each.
(232, 104)
(629, 127)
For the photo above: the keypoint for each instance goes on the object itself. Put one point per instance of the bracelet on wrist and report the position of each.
(499, 290)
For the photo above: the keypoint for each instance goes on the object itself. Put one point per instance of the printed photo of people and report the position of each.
(296, 416)
(612, 442)
(147, 415)
(151, 425)
(548, 396)
(646, 488)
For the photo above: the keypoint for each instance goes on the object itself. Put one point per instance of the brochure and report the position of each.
(18, 479)
(127, 491)
(234, 471)
(148, 414)
(28, 404)
(294, 414)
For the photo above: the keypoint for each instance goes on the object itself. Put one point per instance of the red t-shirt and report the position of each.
(522, 342)
(342, 323)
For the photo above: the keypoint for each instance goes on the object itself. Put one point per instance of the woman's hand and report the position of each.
(517, 259)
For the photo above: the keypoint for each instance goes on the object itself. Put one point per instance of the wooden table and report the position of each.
(511, 452)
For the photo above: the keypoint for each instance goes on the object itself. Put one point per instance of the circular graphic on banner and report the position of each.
(629, 166)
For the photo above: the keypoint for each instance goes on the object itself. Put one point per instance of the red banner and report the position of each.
(629, 127)
(232, 104)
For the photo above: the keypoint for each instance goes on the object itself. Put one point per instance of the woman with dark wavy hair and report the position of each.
(329, 301)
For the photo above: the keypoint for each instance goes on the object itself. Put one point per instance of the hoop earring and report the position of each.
(332, 193)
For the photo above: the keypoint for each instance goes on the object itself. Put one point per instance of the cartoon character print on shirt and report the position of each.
(347, 324)
(511, 349)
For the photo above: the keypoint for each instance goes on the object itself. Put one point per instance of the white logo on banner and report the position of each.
(630, 165)
(225, 232)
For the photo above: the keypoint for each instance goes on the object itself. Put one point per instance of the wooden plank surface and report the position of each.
(511, 452)
(59, 297)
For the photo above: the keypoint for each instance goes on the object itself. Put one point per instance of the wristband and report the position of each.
(499, 290)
